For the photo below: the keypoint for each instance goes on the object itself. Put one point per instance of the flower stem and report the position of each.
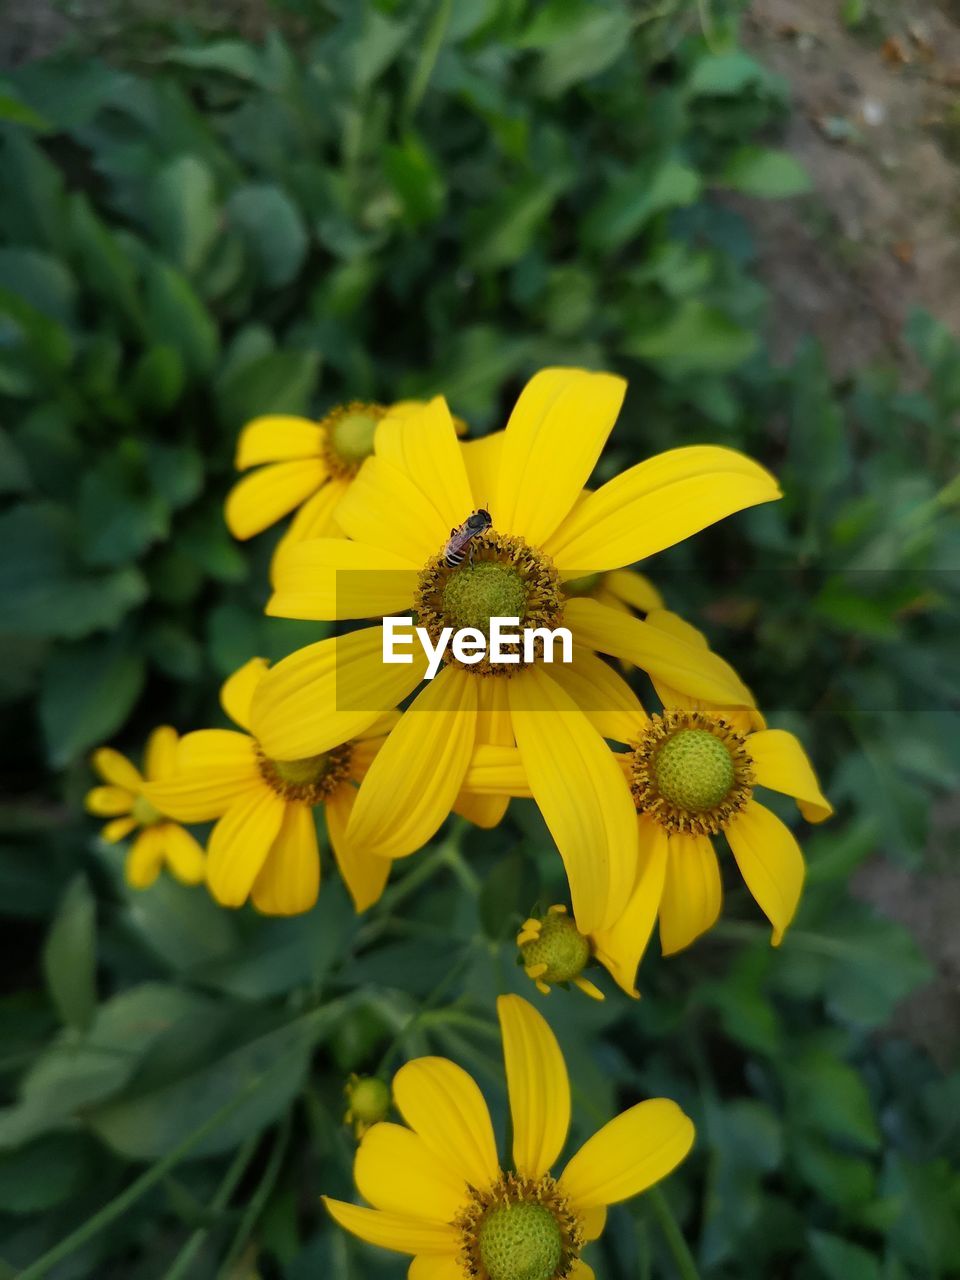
(679, 1250)
(184, 1259)
(257, 1201)
(429, 51)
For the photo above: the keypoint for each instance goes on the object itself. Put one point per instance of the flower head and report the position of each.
(397, 516)
(123, 800)
(368, 1102)
(264, 845)
(440, 1192)
(553, 950)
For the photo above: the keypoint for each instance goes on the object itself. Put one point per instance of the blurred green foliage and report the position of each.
(394, 199)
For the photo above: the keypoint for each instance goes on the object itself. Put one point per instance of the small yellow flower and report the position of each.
(368, 1102)
(441, 1194)
(124, 801)
(554, 950)
(264, 845)
(398, 516)
(302, 464)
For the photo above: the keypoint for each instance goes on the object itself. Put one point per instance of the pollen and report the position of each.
(519, 1230)
(310, 780)
(507, 578)
(691, 772)
(350, 431)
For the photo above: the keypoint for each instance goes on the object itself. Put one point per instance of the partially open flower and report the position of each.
(554, 951)
(368, 1102)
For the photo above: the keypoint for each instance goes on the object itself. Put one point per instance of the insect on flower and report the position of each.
(476, 523)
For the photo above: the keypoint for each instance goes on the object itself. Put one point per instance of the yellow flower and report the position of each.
(398, 515)
(553, 950)
(124, 801)
(440, 1192)
(264, 845)
(302, 464)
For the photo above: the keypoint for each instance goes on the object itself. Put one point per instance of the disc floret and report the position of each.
(349, 434)
(310, 780)
(691, 772)
(519, 1229)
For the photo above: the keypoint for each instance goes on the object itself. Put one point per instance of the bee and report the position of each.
(461, 537)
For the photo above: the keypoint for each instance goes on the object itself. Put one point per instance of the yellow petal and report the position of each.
(429, 1266)
(444, 1106)
(329, 578)
(108, 802)
(620, 948)
(496, 771)
(396, 1171)
(411, 786)
(317, 518)
(692, 892)
(384, 508)
(482, 460)
(364, 874)
(215, 769)
(264, 496)
(581, 1271)
(240, 843)
(236, 692)
(394, 1231)
(629, 1154)
(481, 800)
(656, 504)
(684, 666)
(770, 862)
(782, 765)
(483, 811)
(602, 695)
(423, 445)
(160, 757)
(745, 719)
(551, 444)
(145, 859)
(117, 829)
(592, 1222)
(184, 856)
(581, 793)
(116, 769)
(633, 589)
(278, 437)
(328, 693)
(289, 879)
(538, 1086)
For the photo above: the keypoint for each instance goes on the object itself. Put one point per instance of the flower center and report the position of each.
(520, 1242)
(310, 780)
(560, 946)
(350, 430)
(144, 812)
(506, 578)
(691, 772)
(519, 1230)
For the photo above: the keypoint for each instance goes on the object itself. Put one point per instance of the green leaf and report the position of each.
(46, 1172)
(839, 1259)
(274, 230)
(827, 1096)
(418, 183)
(177, 318)
(176, 473)
(156, 383)
(31, 194)
(43, 589)
(106, 268)
(15, 111)
(40, 280)
(14, 473)
(724, 75)
(578, 39)
(229, 57)
(634, 199)
(281, 382)
(182, 927)
(87, 691)
(184, 212)
(763, 171)
(509, 891)
(503, 232)
(119, 517)
(697, 337)
(69, 955)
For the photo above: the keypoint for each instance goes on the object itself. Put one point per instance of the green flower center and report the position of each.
(311, 779)
(520, 1242)
(473, 594)
(144, 812)
(561, 947)
(694, 770)
(369, 1099)
(352, 435)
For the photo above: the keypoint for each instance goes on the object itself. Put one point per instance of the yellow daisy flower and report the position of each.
(124, 801)
(398, 515)
(264, 846)
(440, 1193)
(302, 464)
